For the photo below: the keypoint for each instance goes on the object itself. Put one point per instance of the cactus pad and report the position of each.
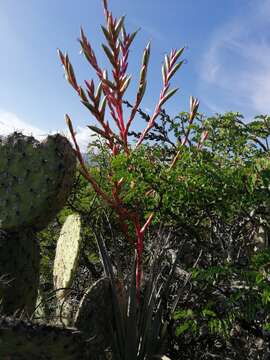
(67, 253)
(25, 341)
(19, 259)
(35, 180)
(95, 314)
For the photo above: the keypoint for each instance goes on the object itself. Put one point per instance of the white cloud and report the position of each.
(83, 136)
(236, 66)
(10, 122)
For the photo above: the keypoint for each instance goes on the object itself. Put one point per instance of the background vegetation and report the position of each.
(213, 205)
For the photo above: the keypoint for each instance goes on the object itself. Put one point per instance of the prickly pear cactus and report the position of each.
(19, 261)
(35, 180)
(67, 254)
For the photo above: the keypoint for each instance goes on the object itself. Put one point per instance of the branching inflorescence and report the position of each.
(109, 95)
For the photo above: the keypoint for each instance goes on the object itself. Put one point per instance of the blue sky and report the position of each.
(227, 67)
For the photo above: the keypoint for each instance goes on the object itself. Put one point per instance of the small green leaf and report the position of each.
(183, 314)
(182, 328)
(266, 327)
(210, 313)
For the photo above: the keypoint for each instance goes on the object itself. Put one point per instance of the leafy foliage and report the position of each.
(216, 200)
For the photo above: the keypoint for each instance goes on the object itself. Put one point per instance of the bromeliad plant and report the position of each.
(109, 94)
(140, 332)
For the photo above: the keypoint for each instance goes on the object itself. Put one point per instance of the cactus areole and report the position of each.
(35, 180)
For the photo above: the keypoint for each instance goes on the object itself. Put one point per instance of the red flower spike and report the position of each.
(110, 93)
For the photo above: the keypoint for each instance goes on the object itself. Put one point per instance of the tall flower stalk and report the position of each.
(108, 95)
